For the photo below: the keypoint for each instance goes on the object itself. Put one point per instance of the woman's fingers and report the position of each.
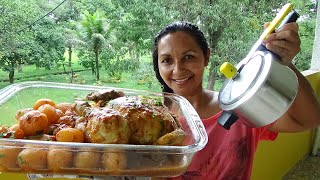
(285, 42)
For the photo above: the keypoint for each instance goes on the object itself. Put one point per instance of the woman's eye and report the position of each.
(188, 56)
(166, 60)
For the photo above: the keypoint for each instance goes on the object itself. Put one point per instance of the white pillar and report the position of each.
(315, 61)
(315, 66)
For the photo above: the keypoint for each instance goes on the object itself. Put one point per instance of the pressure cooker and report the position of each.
(259, 89)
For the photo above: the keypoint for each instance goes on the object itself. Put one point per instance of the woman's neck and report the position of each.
(205, 103)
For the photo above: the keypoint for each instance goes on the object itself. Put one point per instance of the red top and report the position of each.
(228, 153)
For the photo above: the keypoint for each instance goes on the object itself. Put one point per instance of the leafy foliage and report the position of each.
(116, 34)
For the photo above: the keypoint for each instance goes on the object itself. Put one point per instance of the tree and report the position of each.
(71, 42)
(94, 28)
(15, 37)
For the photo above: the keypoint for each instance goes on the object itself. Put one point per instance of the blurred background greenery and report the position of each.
(109, 42)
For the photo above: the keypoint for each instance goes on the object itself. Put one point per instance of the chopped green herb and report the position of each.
(20, 160)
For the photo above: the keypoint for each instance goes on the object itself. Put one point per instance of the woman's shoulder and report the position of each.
(212, 95)
(210, 105)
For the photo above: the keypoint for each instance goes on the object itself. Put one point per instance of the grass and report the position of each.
(142, 79)
(26, 98)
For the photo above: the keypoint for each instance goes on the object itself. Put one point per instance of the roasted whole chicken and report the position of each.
(129, 120)
(108, 117)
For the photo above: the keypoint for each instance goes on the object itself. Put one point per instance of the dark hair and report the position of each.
(186, 27)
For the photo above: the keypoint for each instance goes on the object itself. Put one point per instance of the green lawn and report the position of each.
(141, 80)
(27, 97)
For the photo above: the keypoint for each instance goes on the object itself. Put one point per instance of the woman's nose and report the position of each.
(178, 66)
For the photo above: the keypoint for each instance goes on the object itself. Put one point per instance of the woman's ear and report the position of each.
(207, 58)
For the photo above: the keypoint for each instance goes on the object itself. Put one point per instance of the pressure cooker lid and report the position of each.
(248, 78)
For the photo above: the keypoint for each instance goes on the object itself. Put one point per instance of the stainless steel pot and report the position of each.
(261, 89)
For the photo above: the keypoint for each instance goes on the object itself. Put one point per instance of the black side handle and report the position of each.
(227, 118)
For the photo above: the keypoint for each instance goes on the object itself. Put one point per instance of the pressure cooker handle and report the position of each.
(291, 17)
(227, 118)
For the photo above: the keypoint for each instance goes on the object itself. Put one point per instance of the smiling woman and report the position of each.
(181, 66)
(228, 25)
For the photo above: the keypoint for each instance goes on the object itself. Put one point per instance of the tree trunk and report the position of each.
(11, 72)
(97, 65)
(211, 78)
(213, 39)
(92, 67)
(19, 66)
(70, 55)
(64, 68)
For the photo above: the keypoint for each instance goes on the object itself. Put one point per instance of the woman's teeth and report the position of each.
(180, 81)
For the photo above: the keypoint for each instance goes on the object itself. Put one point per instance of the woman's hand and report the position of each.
(285, 42)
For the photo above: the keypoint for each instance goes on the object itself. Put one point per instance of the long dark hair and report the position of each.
(187, 27)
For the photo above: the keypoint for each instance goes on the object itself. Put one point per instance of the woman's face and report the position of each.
(181, 63)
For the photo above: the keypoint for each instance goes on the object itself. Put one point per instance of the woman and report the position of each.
(180, 56)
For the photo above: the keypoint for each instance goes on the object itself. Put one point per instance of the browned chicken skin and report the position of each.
(102, 97)
(107, 126)
(148, 120)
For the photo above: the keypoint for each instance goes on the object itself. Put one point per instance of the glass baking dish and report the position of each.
(95, 158)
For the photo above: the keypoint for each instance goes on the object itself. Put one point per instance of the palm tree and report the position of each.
(94, 29)
(70, 44)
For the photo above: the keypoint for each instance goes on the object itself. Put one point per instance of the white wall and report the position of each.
(315, 62)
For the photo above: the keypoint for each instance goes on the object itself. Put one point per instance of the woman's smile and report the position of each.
(181, 81)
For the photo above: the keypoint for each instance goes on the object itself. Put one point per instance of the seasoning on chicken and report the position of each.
(148, 119)
(107, 126)
(81, 107)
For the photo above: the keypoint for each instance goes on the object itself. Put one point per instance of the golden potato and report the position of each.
(64, 106)
(50, 112)
(114, 160)
(70, 135)
(86, 160)
(59, 158)
(8, 157)
(32, 158)
(19, 134)
(43, 101)
(33, 122)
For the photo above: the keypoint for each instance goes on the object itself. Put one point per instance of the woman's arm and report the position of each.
(304, 113)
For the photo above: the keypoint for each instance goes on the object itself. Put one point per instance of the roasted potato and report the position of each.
(59, 158)
(86, 159)
(70, 135)
(33, 122)
(8, 157)
(114, 160)
(32, 158)
(43, 101)
(50, 112)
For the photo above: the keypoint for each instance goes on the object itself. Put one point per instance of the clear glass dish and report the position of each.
(94, 158)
